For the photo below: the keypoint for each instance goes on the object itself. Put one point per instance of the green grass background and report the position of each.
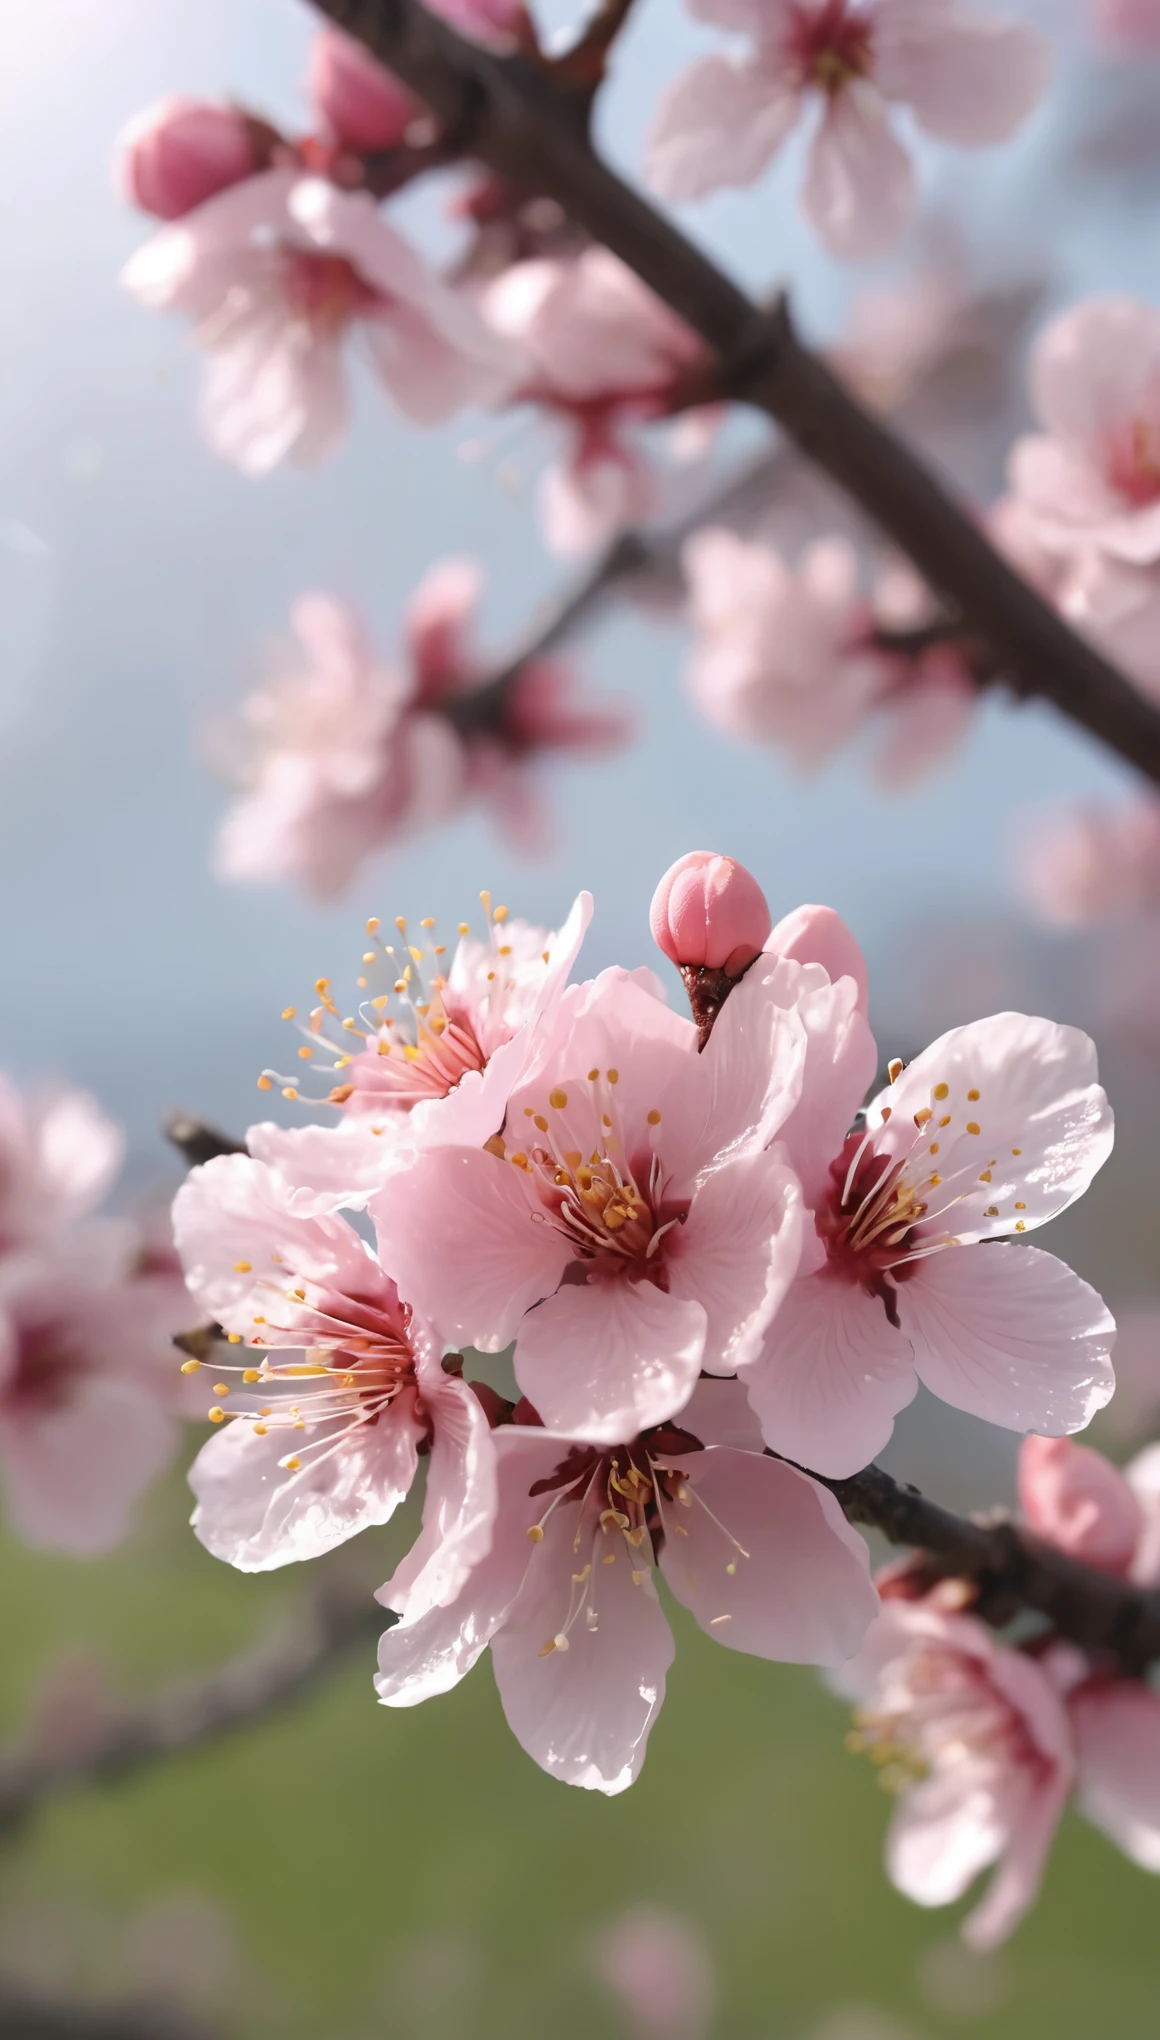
(413, 1872)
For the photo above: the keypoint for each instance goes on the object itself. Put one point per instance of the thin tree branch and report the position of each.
(197, 1140)
(317, 1637)
(32, 2015)
(516, 121)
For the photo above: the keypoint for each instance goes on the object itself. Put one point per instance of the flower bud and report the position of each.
(710, 912)
(1077, 1500)
(180, 152)
(361, 104)
(819, 935)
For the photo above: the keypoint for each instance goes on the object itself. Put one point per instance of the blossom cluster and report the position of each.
(714, 1264)
(985, 1741)
(88, 1306)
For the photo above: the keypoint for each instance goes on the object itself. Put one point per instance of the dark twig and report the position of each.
(316, 1637)
(510, 112)
(31, 2015)
(197, 1140)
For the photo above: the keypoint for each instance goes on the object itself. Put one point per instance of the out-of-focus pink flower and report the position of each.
(601, 353)
(349, 754)
(1090, 864)
(709, 910)
(1091, 479)
(345, 757)
(1116, 1723)
(1078, 1501)
(59, 1153)
(991, 1131)
(634, 1226)
(980, 1749)
(360, 104)
(795, 657)
(313, 1452)
(658, 1967)
(277, 274)
(967, 79)
(86, 1389)
(1134, 1411)
(759, 1553)
(177, 154)
(438, 1059)
(1127, 24)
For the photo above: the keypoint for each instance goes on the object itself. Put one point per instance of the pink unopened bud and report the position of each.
(709, 911)
(360, 103)
(1077, 1500)
(180, 152)
(819, 935)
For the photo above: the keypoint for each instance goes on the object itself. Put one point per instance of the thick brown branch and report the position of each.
(1011, 1569)
(517, 122)
(315, 1638)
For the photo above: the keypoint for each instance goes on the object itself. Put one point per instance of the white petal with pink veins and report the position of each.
(1010, 1335)
(465, 1246)
(797, 1590)
(737, 1254)
(831, 1378)
(967, 80)
(720, 123)
(859, 183)
(257, 1514)
(584, 1712)
(1013, 1123)
(605, 1359)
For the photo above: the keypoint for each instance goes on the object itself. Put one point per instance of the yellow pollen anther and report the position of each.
(941, 1091)
(946, 1121)
(1016, 1151)
(614, 1076)
(973, 1097)
(609, 1558)
(251, 1374)
(935, 1182)
(428, 921)
(462, 928)
(289, 1091)
(886, 1112)
(1020, 1206)
(322, 986)
(485, 897)
(593, 1075)
(894, 1068)
(557, 1100)
(535, 1533)
(190, 1366)
(1020, 1226)
(654, 1117)
(221, 1388)
(235, 1338)
(985, 1176)
(293, 1463)
(216, 1416)
(400, 984)
(934, 1147)
(606, 1119)
(259, 1320)
(260, 1430)
(264, 1084)
(401, 923)
(290, 1013)
(992, 1211)
(541, 1122)
(500, 914)
(373, 925)
(921, 1117)
(519, 1160)
(731, 1568)
(242, 1267)
(306, 1052)
(972, 1127)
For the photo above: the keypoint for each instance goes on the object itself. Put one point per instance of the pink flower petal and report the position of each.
(1010, 1335)
(1117, 1731)
(464, 1245)
(1020, 1121)
(799, 1588)
(257, 1514)
(606, 1359)
(1015, 1886)
(720, 123)
(966, 80)
(72, 1475)
(859, 183)
(460, 1502)
(738, 1253)
(584, 1713)
(832, 1377)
